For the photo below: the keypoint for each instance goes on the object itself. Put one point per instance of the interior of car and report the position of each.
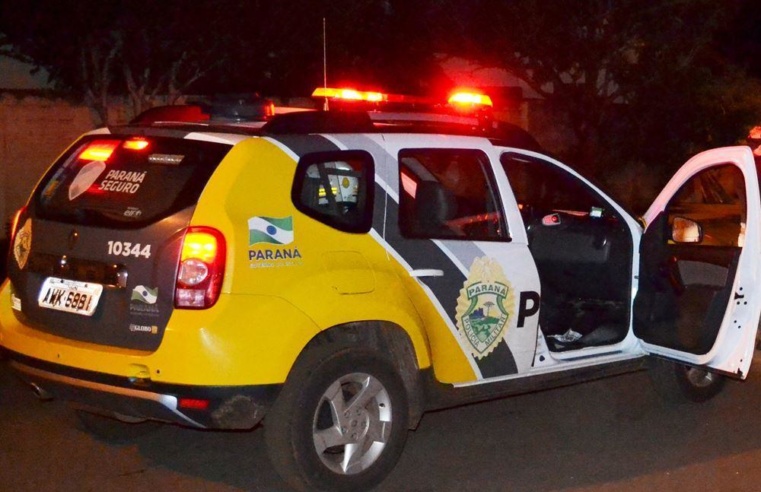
(582, 249)
(686, 279)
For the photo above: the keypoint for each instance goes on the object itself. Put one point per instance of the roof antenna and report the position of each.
(324, 64)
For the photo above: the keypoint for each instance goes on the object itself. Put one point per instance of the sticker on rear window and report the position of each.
(123, 181)
(170, 159)
(85, 178)
(133, 212)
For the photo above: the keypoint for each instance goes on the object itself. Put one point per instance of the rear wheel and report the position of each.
(340, 422)
(115, 429)
(679, 383)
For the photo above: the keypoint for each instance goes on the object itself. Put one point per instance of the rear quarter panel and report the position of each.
(328, 276)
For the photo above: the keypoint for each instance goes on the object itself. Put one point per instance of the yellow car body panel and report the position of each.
(337, 278)
(214, 347)
(254, 333)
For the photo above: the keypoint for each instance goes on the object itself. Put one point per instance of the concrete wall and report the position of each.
(33, 132)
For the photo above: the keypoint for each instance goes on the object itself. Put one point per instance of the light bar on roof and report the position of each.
(459, 99)
(473, 98)
(349, 94)
(433, 118)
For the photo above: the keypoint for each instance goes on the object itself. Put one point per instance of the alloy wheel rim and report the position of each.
(700, 377)
(352, 423)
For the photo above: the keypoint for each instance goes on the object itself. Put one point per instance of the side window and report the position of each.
(542, 188)
(714, 199)
(449, 194)
(336, 188)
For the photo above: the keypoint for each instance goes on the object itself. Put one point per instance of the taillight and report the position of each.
(201, 269)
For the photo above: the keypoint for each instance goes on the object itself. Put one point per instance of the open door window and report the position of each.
(699, 297)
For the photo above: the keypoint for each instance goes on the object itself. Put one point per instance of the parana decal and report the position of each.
(22, 244)
(484, 307)
(270, 230)
(266, 238)
(123, 181)
(143, 301)
(145, 295)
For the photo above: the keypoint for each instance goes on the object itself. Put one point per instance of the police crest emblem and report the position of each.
(22, 244)
(484, 307)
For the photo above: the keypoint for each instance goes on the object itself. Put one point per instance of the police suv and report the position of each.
(335, 274)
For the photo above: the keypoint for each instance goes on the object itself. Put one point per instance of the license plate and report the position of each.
(69, 296)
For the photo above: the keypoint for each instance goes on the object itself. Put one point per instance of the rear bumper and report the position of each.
(214, 407)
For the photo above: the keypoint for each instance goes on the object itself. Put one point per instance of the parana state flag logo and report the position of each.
(145, 295)
(270, 230)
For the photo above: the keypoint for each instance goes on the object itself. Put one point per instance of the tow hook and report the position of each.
(40, 393)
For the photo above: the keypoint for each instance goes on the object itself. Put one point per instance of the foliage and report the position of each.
(368, 43)
(136, 48)
(143, 48)
(632, 80)
(740, 40)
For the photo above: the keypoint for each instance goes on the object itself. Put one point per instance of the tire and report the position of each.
(679, 383)
(114, 430)
(340, 421)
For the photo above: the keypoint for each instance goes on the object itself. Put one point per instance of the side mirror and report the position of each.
(685, 230)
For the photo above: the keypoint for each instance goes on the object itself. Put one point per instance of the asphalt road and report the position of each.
(613, 434)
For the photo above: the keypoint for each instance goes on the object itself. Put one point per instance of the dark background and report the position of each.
(632, 81)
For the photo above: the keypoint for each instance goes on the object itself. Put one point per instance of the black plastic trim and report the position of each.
(230, 407)
(442, 395)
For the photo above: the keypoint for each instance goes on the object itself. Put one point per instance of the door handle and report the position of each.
(426, 272)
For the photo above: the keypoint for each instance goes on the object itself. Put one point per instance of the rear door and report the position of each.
(463, 244)
(96, 256)
(699, 297)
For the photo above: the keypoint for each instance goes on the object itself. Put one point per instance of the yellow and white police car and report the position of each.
(335, 274)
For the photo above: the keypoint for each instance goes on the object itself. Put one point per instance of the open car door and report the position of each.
(699, 292)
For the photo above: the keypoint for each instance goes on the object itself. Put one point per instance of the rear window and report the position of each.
(127, 181)
(336, 188)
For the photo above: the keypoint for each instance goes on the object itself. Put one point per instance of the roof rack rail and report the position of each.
(420, 117)
(231, 108)
(380, 122)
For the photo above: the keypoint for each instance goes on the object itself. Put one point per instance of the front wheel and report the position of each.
(340, 422)
(679, 383)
